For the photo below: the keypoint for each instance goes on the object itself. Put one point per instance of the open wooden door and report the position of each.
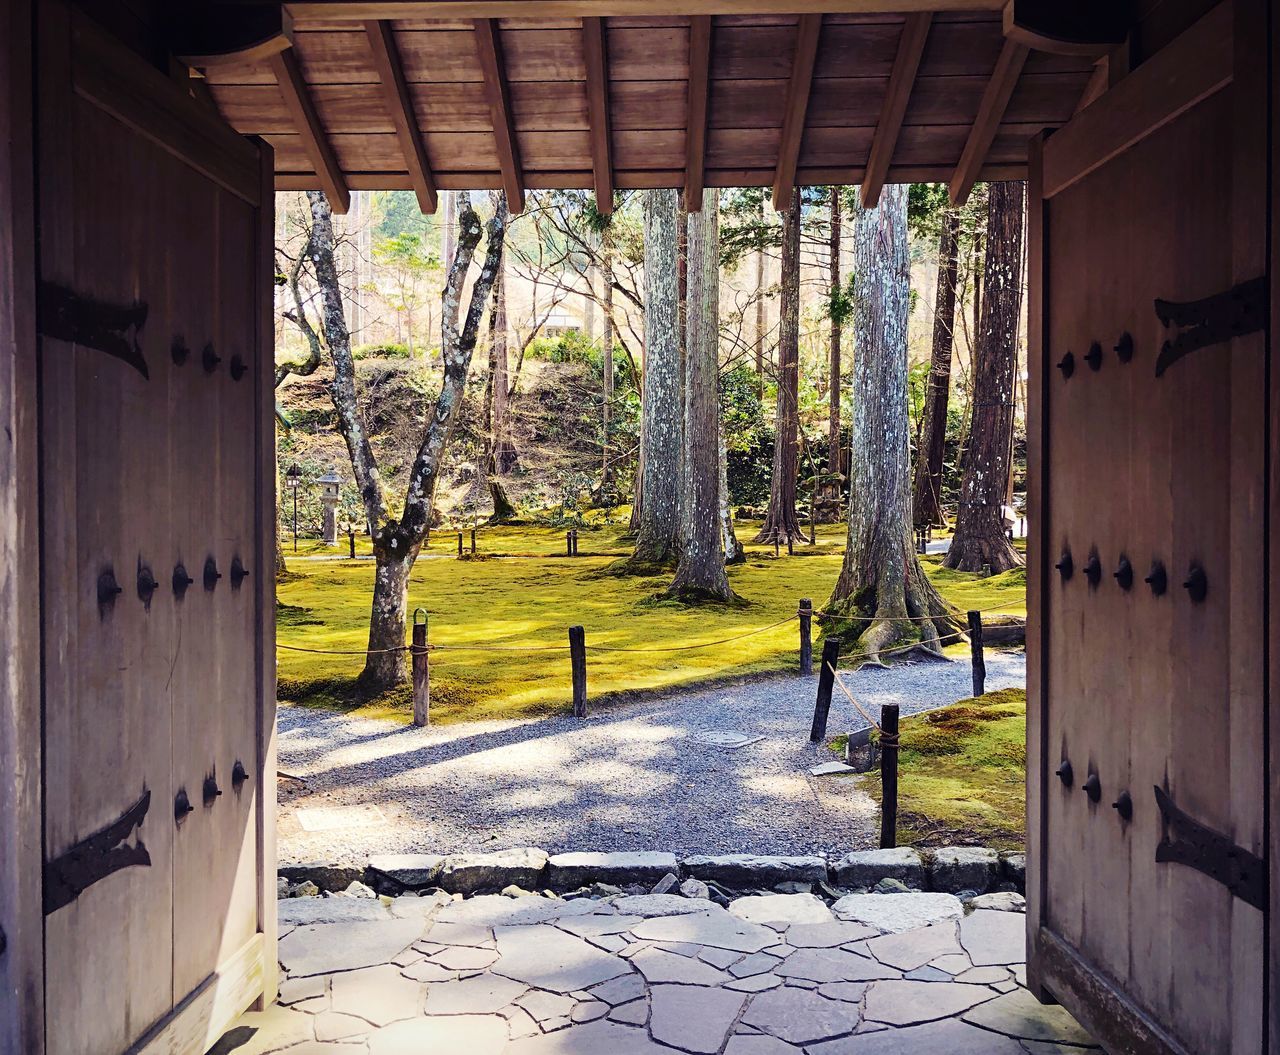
(157, 468)
(1147, 766)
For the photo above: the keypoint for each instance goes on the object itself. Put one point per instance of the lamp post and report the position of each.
(293, 477)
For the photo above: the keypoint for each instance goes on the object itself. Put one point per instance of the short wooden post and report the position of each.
(351, 542)
(568, 543)
(806, 636)
(575, 541)
(421, 670)
(826, 682)
(459, 543)
(578, 667)
(791, 546)
(888, 775)
(777, 551)
(975, 650)
(473, 540)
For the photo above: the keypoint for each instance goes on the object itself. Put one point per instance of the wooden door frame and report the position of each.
(21, 797)
(1187, 71)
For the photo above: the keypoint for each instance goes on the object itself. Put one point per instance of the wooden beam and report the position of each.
(362, 10)
(597, 62)
(797, 105)
(498, 94)
(1089, 28)
(990, 113)
(222, 35)
(386, 60)
(915, 31)
(297, 101)
(699, 99)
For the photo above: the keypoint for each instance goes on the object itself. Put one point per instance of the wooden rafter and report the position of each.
(797, 105)
(915, 31)
(597, 63)
(386, 60)
(293, 88)
(699, 99)
(498, 95)
(360, 10)
(995, 100)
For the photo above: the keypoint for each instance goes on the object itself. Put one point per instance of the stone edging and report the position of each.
(949, 869)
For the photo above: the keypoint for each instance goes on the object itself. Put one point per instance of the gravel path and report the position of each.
(632, 777)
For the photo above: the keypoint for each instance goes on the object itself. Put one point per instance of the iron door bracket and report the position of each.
(1213, 320)
(1188, 842)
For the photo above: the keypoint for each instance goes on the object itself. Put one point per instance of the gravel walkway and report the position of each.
(632, 777)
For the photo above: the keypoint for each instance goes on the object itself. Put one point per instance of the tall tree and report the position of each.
(700, 574)
(882, 598)
(502, 456)
(397, 536)
(835, 450)
(933, 434)
(657, 532)
(980, 540)
(761, 305)
(606, 364)
(781, 524)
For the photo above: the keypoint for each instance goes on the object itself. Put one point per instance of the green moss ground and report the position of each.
(962, 773)
(528, 593)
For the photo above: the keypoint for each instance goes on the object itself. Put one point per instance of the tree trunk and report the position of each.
(933, 437)
(835, 450)
(606, 342)
(733, 550)
(882, 597)
(660, 406)
(980, 540)
(782, 524)
(396, 540)
(700, 574)
(501, 457)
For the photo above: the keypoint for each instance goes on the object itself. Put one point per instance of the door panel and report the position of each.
(1148, 690)
(150, 459)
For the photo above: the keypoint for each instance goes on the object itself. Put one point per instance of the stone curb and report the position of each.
(945, 869)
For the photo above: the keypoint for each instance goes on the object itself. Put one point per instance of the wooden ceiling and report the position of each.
(638, 101)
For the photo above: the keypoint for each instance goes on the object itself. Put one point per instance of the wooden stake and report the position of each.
(459, 543)
(568, 543)
(806, 636)
(575, 541)
(421, 673)
(578, 667)
(473, 540)
(888, 775)
(826, 682)
(975, 649)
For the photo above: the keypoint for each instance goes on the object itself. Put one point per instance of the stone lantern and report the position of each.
(329, 484)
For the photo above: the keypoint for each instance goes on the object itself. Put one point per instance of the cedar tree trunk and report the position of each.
(835, 450)
(700, 574)
(660, 407)
(980, 539)
(882, 597)
(396, 540)
(502, 453)
(781, 523)
(933, 435)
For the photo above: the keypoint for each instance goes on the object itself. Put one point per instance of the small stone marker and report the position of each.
(730, 739)
(827, 769)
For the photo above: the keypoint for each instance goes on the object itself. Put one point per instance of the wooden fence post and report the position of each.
(806, 636)
(473, 540)
(568, 543)
(975, 650)
(459, 543)
(791, 546)
(777, 552)
(888, 775)
(575, 541)
(421, 671)
(578, 667)
(826, 682)
(351, 543)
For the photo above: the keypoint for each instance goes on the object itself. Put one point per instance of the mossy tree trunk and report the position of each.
(933, 434)
(606, 364)
(661, 406)
(980, 540)
(396, 540)
(700, 574)
(781, 523)
(835, 449)
(501, 457)
(882, 599)
(733, 550)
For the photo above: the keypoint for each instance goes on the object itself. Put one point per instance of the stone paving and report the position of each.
(631, 975)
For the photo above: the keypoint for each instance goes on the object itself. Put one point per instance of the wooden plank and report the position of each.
(293, 89)
(593, 47)
(489, 52)
(354, 10)
(808, 31)
(1272, 567)
(21, 908)
(915, 32)
(399, 104)
(696, 111)
(109, 75)
(991, 112)
(1196, 65)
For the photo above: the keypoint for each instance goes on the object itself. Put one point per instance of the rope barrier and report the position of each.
(702, 644)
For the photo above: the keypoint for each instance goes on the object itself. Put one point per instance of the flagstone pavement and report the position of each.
(773, 975)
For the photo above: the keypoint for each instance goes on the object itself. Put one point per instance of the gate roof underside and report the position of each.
(353, 98)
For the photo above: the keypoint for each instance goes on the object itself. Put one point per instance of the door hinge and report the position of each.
(1188, 842)
(95, 857)
(1233, 313)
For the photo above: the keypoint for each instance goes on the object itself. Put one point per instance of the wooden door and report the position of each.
(1148, 780)
(155, 457)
